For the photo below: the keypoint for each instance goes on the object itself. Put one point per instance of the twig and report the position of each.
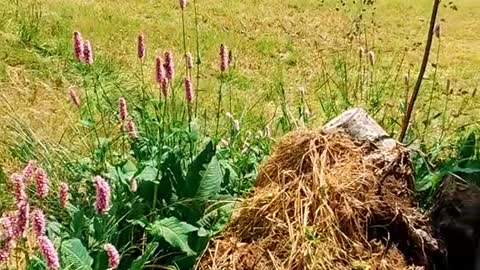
(418, 83)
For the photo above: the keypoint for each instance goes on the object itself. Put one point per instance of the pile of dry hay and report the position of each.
(322, 202)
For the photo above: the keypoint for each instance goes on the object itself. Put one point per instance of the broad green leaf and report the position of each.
(140, 262)
(75, 255)
(174, 232)
(210, 182)
(148, 173)
(196, 169)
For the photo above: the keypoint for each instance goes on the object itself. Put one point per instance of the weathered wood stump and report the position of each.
(412, 233)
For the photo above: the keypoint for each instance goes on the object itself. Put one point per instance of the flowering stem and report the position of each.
(219, 105)
(198, 55)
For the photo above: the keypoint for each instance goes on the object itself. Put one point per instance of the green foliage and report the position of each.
(174, 232)
(75, 255)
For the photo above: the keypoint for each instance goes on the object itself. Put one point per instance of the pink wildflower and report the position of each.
(223, 58)
(122, 108)
(49, 252)
(188, 90)
(189, 60)
(7, 222)
(78, 46)
(169, 65)
(38, 222)
(87, 52)
(63, 195)
(103, 195)
(113, 256)
(42, 183)
(19, 188)
(165, 87)
(141, 46)
(21, 219)
(183, 4)
(74, 96)
(28, 170)
(159, 69)
(132, 129)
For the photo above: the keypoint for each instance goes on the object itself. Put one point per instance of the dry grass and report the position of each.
(316, 205)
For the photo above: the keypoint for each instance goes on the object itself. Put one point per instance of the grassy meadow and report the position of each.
(292, 64)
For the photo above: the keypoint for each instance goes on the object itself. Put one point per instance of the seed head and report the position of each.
(189, 60)
(132, 129)
(361, 52)
(371, 57)
(183, 4)
(236, 125)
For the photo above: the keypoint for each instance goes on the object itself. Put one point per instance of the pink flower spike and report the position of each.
(49, 252)
(28, 170)
(78, 46)
(189, 60)
(42, 183)
(113, 256)
(165, 87)
(132, 129)
(183, 4)
(189, 90)
(141, 46)
(223, 58)
(63, 195)
(7, 222)
(122, 108)
(21, 219)
(19, 189)
(103, 195)
(38, 222)
(169, 65)
(74, 96)
(87, 52)
(159, 69)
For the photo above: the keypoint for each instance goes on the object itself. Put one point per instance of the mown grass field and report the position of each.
(290, 41)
